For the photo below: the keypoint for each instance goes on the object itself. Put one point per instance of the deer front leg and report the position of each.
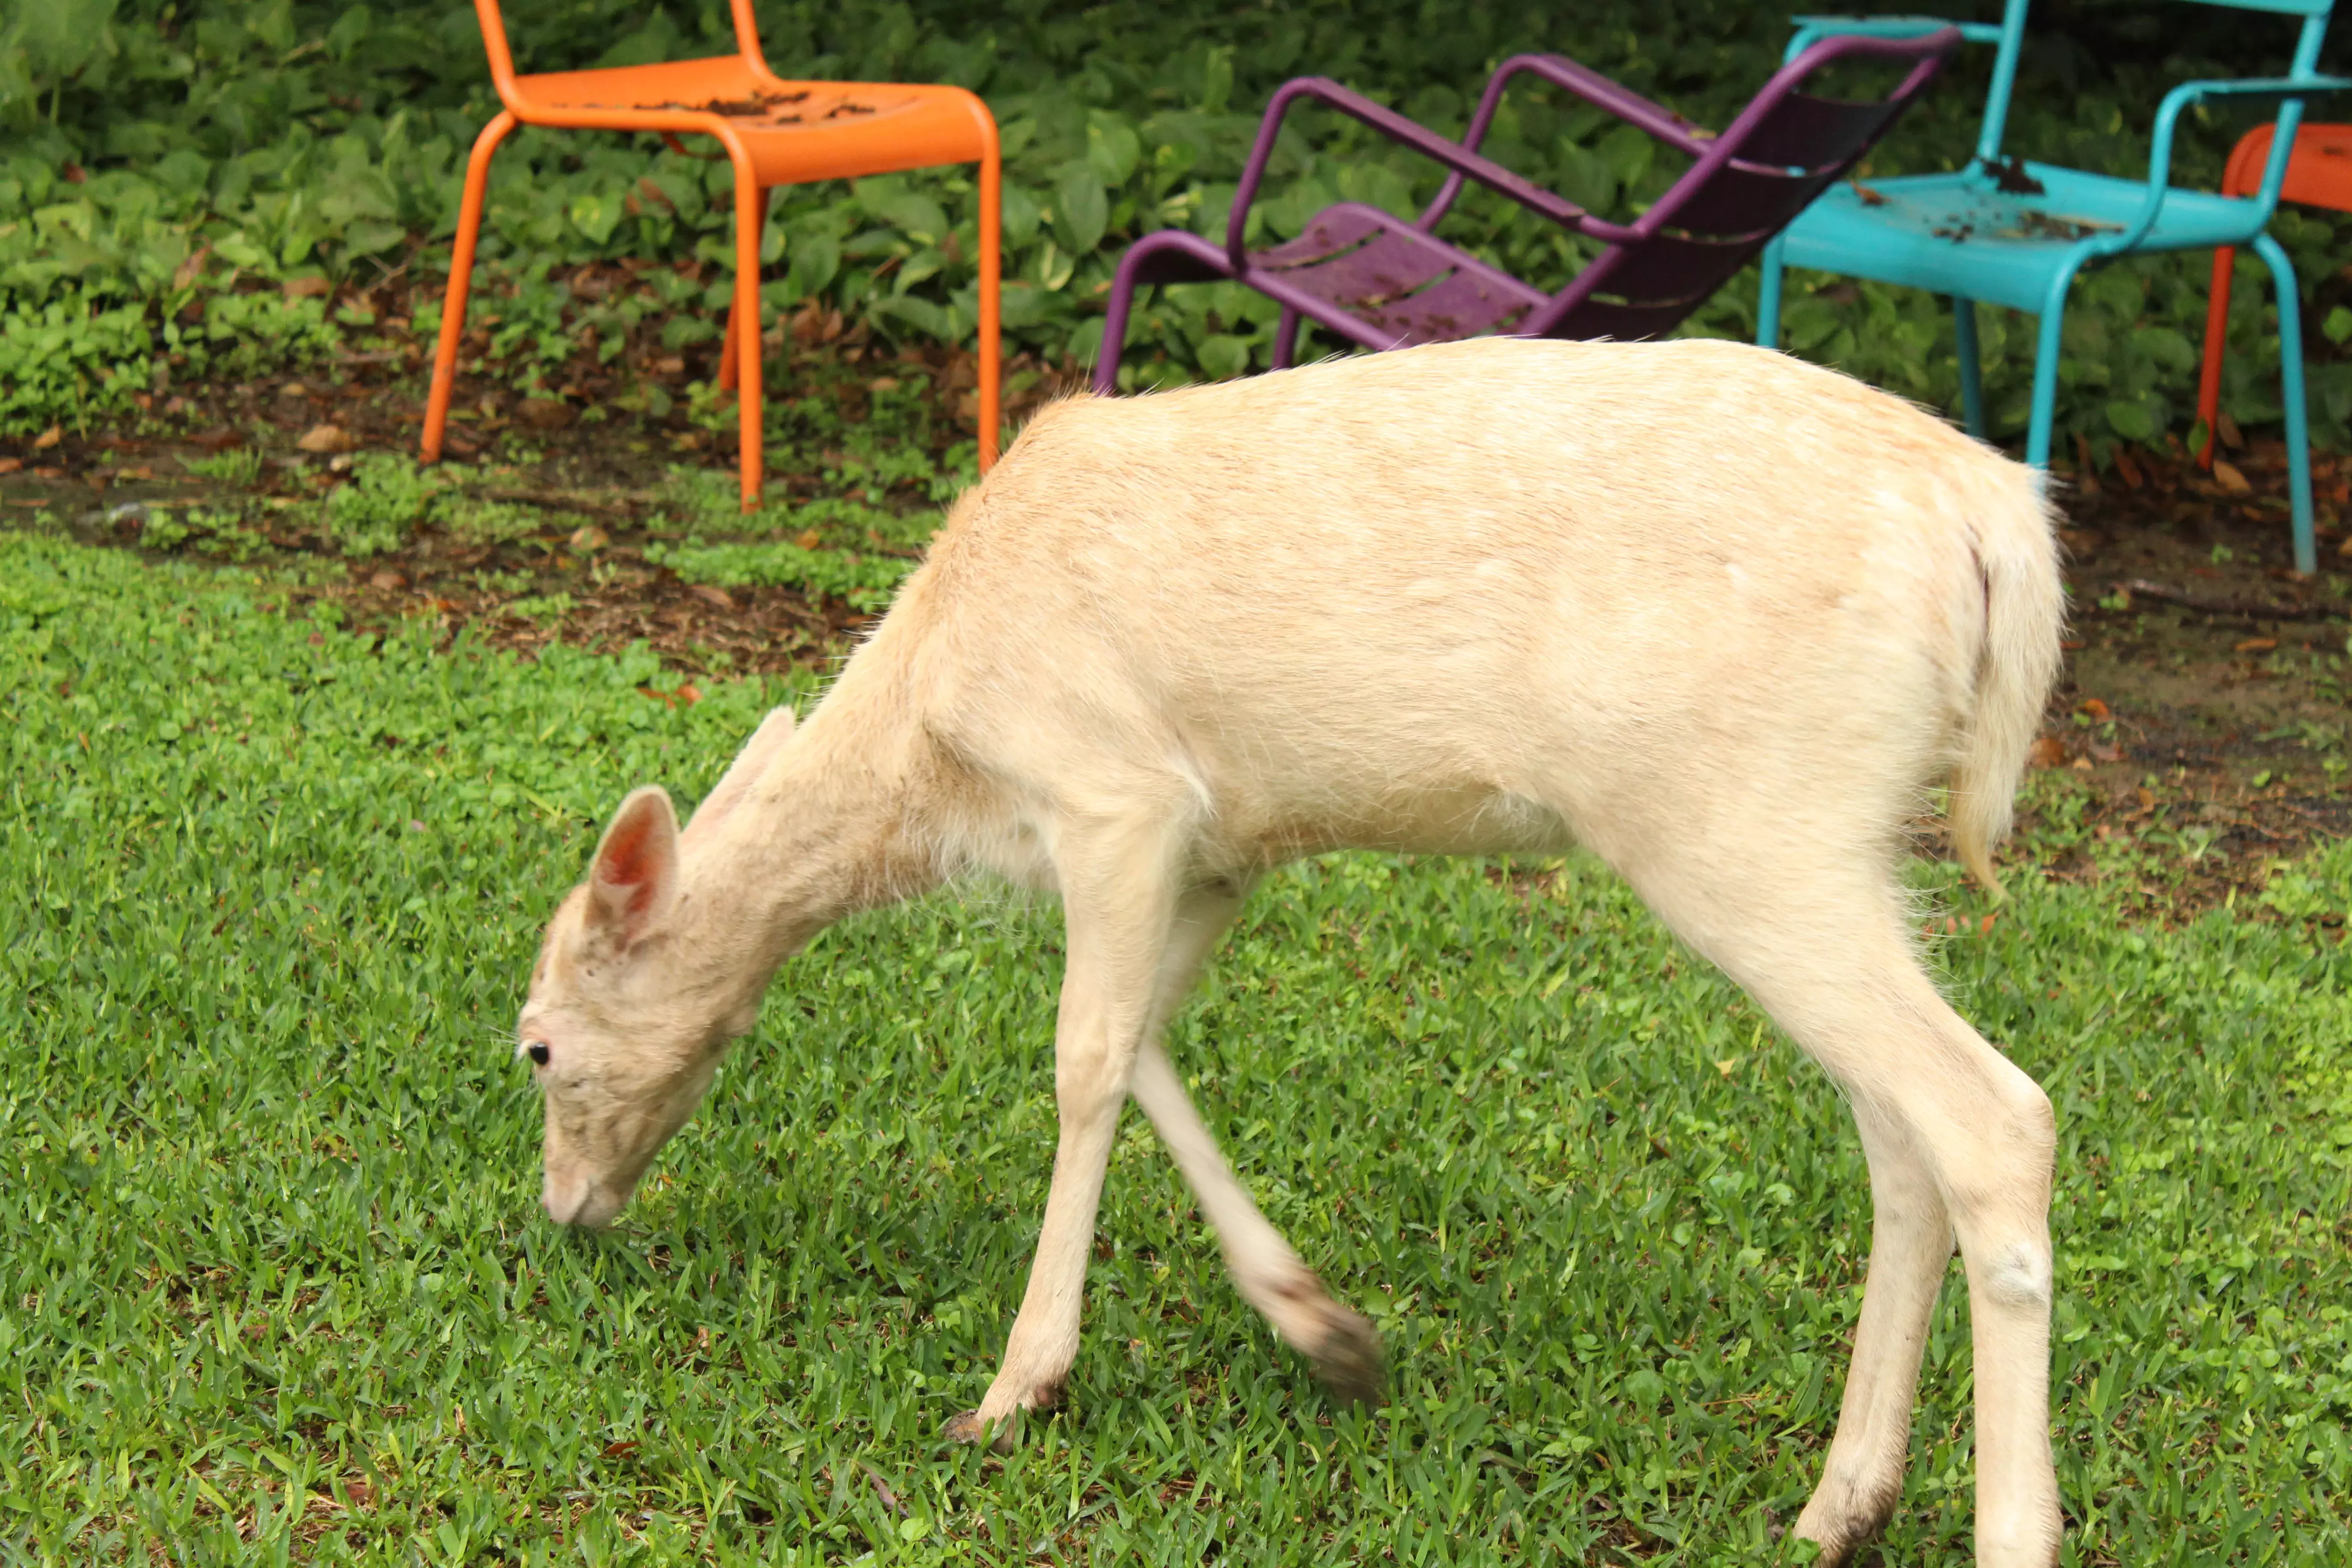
(1118, 901)
(1342, 1344)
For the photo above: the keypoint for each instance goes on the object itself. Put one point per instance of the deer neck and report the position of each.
(844, 820)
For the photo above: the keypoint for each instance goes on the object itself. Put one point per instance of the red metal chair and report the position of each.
(2319, 175)
(776, 132)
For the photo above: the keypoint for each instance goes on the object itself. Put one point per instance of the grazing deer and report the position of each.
(1719, 616)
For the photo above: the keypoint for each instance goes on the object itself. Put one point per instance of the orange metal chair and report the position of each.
(776, 132)
(2319, 175)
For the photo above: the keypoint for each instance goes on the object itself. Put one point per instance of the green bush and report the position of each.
(221, 147)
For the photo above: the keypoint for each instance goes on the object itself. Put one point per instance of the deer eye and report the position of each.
(537, 1051)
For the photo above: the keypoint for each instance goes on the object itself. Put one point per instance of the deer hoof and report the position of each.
(969, 1427)
(1348, 1357)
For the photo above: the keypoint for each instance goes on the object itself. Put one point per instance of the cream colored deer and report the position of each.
(1721, 617)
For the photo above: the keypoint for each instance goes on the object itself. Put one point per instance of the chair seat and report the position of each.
(1386, 283)
(1962, 235)
(2318, 171)
(794, 131)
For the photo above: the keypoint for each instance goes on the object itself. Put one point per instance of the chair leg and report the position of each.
(2298, 435)
(1768, 295)
(461, 275)
(2045, 366)
(750, 207)
(1169, 256)
(991, 334)
(729, 371)
(1964, 329)
(2217, 334)
(1286, 339)
(1114, 339)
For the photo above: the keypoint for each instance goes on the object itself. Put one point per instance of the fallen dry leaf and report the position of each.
(48, 437)
(2129, 468)
(1984, 926)
(218, 440)
(2049, 751)
(2227, 428)
(141, 472)
(713, 594)
(2147, 798)
(323, 438)
(306, 287)
(193, 268)
(809, 539)
(2094, 707)
(620, 1450)
(587, 538)
(689, 693)
(545, 413)
(387, 579)
(358, 1493)
(10, 465)
(2256, 645)
(882, 1490)
(293, 389)
(2101, 753)
(2226, 473)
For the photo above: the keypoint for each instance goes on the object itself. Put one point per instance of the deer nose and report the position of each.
(565, 1201)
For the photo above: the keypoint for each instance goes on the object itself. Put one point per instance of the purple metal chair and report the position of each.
(1380, 281)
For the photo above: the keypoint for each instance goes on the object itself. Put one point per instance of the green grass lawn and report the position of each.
(276, 1285)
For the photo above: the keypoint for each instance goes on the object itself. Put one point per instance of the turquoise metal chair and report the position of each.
(2012, 232)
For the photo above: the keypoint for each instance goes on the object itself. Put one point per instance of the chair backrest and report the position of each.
(2315, 15)
(1761, 171)
(501, 56)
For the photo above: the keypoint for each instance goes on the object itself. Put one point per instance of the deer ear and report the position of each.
(744, 772)
(634, 876)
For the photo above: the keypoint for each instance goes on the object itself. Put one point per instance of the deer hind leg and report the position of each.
(1960, 1143)
(1343, 1345)
(1118, 898)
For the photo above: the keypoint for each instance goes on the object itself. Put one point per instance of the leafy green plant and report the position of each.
(863, 581)
(239, 467)
(544, 609)
(389, 497)
(480, 520)
(215, 531)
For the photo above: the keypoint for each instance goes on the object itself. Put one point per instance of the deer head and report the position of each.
(630, 1007)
